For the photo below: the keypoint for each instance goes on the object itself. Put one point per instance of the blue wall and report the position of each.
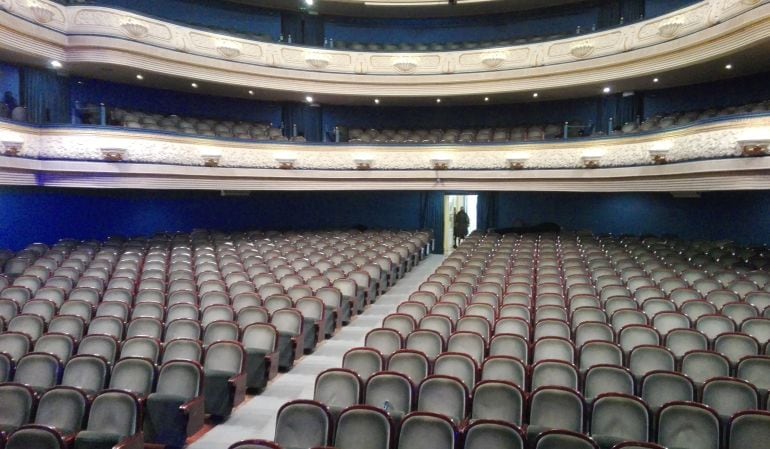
(46, 214)
(211, 14)
(731, 92)
(160, 101)
(9, 80)
(447, 116)
(741, 215)
(659, 7)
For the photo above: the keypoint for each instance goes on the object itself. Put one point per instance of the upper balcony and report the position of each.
(85, 38)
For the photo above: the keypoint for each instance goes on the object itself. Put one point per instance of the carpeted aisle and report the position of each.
(256, 417)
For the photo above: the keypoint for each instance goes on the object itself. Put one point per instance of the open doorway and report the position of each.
(452, 204)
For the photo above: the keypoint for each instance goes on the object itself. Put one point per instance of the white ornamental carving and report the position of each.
(582, 49)
(669, 28)
(135, 29)
(317, 60)
(229, 49)
(493, 59)
(41, 12)
(750, 2)
(405, 64)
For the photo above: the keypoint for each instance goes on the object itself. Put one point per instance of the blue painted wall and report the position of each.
(659, 7)
(731, 92)
(171, 102)
(46, 214)
(9, 80)
(447, 116)
(741, 216)
(207, 14)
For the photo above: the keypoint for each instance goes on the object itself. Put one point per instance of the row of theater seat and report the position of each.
(184, 323)
(506, 316)
(677, 424)
(441, 46)
(229, 129)
(540, 132)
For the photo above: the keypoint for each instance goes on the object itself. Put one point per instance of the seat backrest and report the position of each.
(458, 365)
(727, 396)
(421, 430)
(363, 361)
(338, 387)
(622, 417)
(443, 394)
(114, 412)
(701, 366)
(426, 341)
(413, 364)
(749, 430)
(662, 387)
(556, 408)
(226, 356)
(18, 402)
(688, 425)
(564, 439)
(498, 400)
(601, 379)
(181, 378)
(62, 408)
(85, 372)
(38, 370)
(363, 427)
(485, 434)
(389, 390)
(554, 373)
(136, 376)
(303, 423)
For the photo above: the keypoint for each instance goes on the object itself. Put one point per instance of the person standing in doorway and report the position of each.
(462, 221)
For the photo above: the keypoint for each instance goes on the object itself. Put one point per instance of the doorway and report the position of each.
(452, 204)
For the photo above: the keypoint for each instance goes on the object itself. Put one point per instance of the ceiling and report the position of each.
(406, 8)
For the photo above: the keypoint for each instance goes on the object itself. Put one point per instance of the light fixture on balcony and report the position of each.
(517, 161)
(440, 163)
(317, 60)
(658, 156)
(363, 163)
(753, 148)
(229, 49)
(493, 59)
(211, 158)
(286, 162)
(12, 148)
(114, 154)
(582, 49)
(591, 160)
(405, 64)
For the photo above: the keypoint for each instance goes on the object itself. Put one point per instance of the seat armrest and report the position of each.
(238, 388)
(272, 364)
(299, 344)
(135, 441)
(195, 411)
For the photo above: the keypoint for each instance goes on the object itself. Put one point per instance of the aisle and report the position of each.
(256, 417)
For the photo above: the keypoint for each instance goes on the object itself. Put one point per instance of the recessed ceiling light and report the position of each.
(139, 76)
(309, 99)
(729, 66)
(251, 92)
(195, 85)
(309, 2)
(56, 64)
(535, 95)
(486, 98)
(438, 100)
(606, 90)
(376, 101)
(655, 80)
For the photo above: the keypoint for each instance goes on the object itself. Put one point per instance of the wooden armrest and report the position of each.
(238, 386)
(195, 411)
(272, 364)
(135, 441)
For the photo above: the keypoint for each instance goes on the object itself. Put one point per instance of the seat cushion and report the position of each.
(217, 394)
(89, 439)
(164, 423)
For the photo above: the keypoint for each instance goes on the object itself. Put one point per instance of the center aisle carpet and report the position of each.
(256, 417)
